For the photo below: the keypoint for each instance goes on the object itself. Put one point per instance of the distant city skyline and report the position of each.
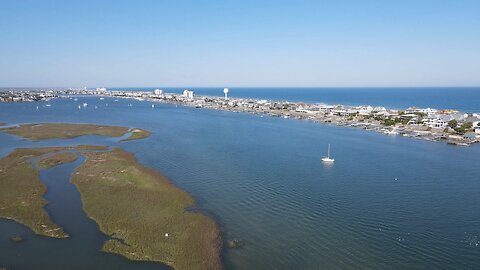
(372, 43)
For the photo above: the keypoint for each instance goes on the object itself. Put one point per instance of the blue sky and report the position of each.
(240, 43)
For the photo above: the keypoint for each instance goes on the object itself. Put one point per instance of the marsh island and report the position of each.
(146, 215)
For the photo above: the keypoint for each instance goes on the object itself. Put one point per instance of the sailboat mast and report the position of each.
(328, 151)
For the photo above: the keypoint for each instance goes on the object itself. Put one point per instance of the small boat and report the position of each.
(327, 158)
(101, 98)
(48, 105)
(153, 106)
(85, 104)
(79, 107)
(75, 99)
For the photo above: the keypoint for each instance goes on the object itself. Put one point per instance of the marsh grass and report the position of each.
(56, 159)
(21, 191)
(63, 131)
(148, 213)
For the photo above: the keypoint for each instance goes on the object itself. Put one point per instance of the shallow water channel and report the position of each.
(82, 250)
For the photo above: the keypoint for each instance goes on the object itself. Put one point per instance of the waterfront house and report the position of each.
(340, 112)
(441, 121)
(413, 121)
(365, 111)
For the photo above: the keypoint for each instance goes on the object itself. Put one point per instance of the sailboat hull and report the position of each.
(327, 158)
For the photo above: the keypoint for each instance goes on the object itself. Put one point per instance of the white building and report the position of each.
(225, 91)
(101, 89)
(436, 121)
(158, 92)
(188, 94)
(427, 111)
(365, 111)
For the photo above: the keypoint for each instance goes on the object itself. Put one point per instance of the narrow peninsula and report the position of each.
(21, 191)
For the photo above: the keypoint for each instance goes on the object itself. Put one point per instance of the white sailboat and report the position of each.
(327, 158)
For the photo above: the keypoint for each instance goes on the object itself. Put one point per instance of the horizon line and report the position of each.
(250, 86)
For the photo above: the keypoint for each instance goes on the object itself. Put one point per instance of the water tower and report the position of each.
(225, 91)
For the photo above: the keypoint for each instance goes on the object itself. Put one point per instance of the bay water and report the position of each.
(387, 202)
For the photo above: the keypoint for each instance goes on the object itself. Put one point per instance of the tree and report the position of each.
(388, 122)
(452, 123)
(467, 125)
(464, 128)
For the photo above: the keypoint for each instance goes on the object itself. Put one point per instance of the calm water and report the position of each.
(459, 98)
(262, 180)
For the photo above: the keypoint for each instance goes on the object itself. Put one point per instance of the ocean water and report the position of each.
(458, 98)
(386, 203)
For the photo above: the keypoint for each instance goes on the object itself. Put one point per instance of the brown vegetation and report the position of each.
(21, 194)
(21, 191)
(146, 212)
(63, 131)
(56, 159)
